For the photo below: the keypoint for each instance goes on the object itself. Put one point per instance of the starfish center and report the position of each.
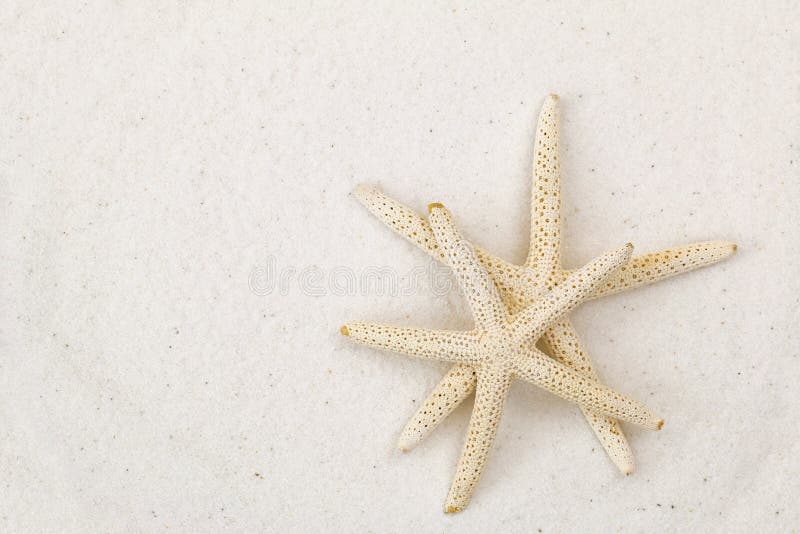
(498, 348)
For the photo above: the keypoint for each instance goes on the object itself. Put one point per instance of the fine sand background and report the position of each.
(163, 169)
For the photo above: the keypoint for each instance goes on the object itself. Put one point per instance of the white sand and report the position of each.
(152, 159)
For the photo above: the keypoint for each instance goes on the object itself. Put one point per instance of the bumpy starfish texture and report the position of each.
(499, 348)
(521, 285)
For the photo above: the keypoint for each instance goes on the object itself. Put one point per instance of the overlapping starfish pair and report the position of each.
(513, 306)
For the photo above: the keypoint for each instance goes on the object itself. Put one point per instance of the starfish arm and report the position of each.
(547, 373)
(656, 266)
(565, 347)
(544, 254)
(445, 345)
(484, 299)
(489, 400)
(451, 391)
(531, 322)
(416, 229)
(401, 219)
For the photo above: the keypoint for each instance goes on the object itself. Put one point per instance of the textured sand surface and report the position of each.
(180, 245)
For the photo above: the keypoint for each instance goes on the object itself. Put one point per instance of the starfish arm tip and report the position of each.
(344, 330)
(659, 424)
(629, 246)
(554, 96)
(722, 250)
(405, 443)
(450, 509)
(625, 464)
(434, 206)
(364, 192)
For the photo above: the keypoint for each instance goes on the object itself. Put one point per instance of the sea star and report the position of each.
(521, 285)
(499, 348)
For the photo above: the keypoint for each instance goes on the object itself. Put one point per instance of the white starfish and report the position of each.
(521, 285)
(499, 348)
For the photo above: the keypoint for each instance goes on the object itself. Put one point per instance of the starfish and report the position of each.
(521, 285)
(498, 349)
